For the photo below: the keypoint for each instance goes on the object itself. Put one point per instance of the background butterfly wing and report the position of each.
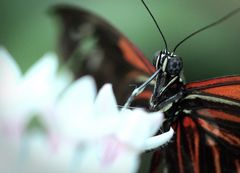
(92, 46)
(207, 135)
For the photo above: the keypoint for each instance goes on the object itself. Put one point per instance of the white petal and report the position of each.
(106, 103)
(34, 154)
(10, 75)
(75, 107)
(42, 83)
(108, 157)
(79, 94)
(62, 80)
(103, 118)
(138, 126)
(44, 68)
(38, 84)
(159, 140)
(10, 72)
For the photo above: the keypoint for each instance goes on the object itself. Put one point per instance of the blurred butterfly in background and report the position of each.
(205, 115)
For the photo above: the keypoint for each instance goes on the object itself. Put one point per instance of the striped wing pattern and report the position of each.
(207, 130)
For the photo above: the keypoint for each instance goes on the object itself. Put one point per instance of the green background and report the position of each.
(28, 31)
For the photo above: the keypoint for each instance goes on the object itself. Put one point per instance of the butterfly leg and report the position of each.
(168, 102)
(140, 89)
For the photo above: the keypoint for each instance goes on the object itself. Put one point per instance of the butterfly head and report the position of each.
(170, 66)
(169, 63)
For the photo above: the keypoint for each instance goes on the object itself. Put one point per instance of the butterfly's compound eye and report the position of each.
(174, 66)
(156, 59)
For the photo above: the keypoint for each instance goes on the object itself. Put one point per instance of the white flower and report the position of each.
(85, 131)
(109, 140)
(23, 96)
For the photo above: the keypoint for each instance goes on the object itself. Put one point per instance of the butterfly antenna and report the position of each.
(208, 26)
(160, 31)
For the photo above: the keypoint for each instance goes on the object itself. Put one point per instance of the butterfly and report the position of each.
(204, 114)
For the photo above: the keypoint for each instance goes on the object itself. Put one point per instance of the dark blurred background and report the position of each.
(28, 31)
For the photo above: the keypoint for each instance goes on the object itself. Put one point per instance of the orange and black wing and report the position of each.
(207, 131)
(92, 46)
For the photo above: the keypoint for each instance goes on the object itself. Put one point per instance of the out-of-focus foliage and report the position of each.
(27, 30)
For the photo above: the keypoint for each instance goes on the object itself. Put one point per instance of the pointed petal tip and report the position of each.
(9, 69)
(106, 101)
(159, 140)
